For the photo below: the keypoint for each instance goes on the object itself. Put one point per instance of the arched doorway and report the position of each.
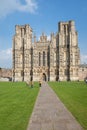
(44, 77)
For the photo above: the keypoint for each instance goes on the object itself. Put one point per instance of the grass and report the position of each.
(74, 96)
(16, 105)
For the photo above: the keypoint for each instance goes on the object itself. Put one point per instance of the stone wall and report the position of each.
(5, 74)
(82, 71)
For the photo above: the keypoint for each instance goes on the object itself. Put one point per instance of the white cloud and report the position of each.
(30, 6)
(10, 6)
(48, 37)
(6, 58)
(84, 58)
(5, 54)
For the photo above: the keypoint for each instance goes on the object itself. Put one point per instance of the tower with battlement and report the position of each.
(22, 42)
(68, 51)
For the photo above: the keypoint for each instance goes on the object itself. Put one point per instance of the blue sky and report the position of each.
(42, 16)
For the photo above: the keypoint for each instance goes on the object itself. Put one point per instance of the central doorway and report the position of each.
(44, 77)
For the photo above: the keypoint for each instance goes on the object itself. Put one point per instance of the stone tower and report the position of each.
(22, 43)
(68, 57)
(55, 59)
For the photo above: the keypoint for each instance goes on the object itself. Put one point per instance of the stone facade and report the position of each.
(5, 74)
(82, 72)
(50, 60)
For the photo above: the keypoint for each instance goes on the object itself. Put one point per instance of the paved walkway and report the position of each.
(50, 114)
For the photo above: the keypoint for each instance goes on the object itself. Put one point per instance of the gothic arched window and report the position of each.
(43, 58)
(39, 59)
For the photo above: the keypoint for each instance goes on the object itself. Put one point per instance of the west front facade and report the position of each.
(54, 59)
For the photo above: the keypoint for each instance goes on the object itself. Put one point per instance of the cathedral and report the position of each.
(54, 59)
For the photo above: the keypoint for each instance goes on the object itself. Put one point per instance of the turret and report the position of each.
(72, 26)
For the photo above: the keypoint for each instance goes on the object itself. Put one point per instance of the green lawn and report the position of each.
(74, 96)
(16, 105)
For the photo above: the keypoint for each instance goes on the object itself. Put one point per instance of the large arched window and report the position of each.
(39, 59)
(43, 58)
